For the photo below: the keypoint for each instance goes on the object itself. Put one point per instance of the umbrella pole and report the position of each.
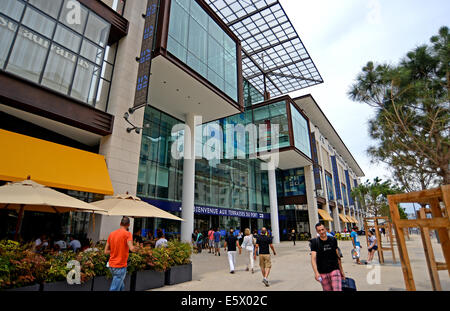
(19, 222)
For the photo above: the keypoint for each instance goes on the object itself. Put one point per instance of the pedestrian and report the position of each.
(356, 253)
(293, 236)
(137, 237)
(329, 233)
(263, 242)
(255, 237)
(198, 240)
(217, 242)
(40, 244)
(74, 244)
(372, 246)
(118, 246)
(211, 240)
(325, 260)
(231, 242)
(248, 245)
(161, 242)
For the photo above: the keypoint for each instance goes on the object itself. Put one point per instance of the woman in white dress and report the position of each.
(248, 245)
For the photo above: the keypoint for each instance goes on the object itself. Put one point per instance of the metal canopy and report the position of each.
(273, 56)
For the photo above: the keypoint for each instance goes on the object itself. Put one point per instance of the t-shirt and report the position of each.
(354, 235)
(161, 243)
(198, 238)
(117, 241)
(211, 235)
(327, 259)
(263, 242)
(217, 236)
(372, 239)
(75, 244)
(61, 244)
(231, 243)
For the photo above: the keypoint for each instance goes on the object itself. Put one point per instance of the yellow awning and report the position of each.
(52, 165)
(324, 214)
(343, 218)
(355, 220)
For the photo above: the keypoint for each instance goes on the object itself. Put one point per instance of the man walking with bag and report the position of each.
(119, 243)
(325, 260)
(356, 253)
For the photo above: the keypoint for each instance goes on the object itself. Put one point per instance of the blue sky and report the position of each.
(342, 36)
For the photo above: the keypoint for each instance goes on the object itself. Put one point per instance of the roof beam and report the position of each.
(260, 69)
(252, 35)
(250, 14)
(271, 46)
(293, 77)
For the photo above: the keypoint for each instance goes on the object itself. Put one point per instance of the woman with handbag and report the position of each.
(248, 245)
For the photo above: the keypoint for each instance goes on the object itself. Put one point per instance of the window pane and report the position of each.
(97, 30)
(102, 95)
(28, 55)
(69, 18)
(85, 83)
(178, 24)
(197, 40)
(197, 65)
(38, 22)
(12, 8)
(67, 38)
(199, 14)
(301, 132)
(107, 71)
(91, 52)
(59, 69)
(215, 56)
(176, 49)
(50, 7)
(7, 31)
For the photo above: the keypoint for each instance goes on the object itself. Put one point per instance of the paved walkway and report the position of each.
(291, 270)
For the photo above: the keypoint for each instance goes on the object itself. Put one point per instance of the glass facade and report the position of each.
(226, 183)
(198, 41)
(251, 95)
(270, 115)
(329, 187)
(291, 182)
(344, 194)
(41, 43)
(301, 132)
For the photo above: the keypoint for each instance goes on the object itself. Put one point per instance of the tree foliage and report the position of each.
(373, 196)
(411, 125)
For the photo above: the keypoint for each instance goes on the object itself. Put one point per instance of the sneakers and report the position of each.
(232, 272)
(247, 269)
(253, 271)
(266, 282)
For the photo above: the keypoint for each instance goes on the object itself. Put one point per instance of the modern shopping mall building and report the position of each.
(90, 92)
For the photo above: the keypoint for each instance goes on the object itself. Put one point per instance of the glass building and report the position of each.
(71, 77)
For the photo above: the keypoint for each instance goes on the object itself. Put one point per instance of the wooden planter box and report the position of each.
(148, 279)
(63, 286)
(30, 288)
(179, 274)
(102, 283)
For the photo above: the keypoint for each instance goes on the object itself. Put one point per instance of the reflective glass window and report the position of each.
(91, 52)
(85, 82)
(97, 30)
(67, 38)
(49, 7)
(28, 55)
(59, 70)
(12, 9)
(70, 17)
(38, 22)
(301, 132)
(7, 31)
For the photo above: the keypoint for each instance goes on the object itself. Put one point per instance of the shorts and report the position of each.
(211, 243)
(373, 248)
(216, 244)
(264, 261)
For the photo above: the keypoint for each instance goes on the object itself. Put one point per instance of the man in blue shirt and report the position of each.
(356, 245)
(217, 242)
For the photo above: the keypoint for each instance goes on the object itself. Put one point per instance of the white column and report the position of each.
(313, 214)
(275, 228)
(187, 203)
(337, 220)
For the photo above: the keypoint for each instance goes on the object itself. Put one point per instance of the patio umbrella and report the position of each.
(129, 205)
(28, 195)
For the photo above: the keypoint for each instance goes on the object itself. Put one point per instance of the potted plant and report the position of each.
(56, 275)
(178, 255)
(150, 274)
(20, 268)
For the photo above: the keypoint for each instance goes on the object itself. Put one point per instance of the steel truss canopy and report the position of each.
(272, 51)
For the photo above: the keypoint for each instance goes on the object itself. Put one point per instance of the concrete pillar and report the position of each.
(337, 220)
(274, 222)
(313, 214)
(187, 202)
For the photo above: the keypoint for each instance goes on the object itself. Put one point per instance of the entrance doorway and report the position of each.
(245, 223)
